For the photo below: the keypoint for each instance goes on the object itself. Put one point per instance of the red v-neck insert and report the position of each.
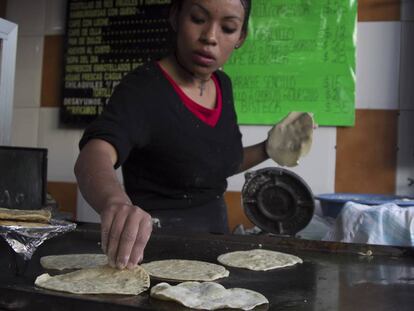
(208, 116)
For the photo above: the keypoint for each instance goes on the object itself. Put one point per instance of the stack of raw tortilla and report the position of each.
(95, 277)
(26, 218)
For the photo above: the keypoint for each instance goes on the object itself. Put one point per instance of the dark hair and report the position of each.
(247, 5)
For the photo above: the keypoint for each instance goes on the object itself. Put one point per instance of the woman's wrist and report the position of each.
(264, 150)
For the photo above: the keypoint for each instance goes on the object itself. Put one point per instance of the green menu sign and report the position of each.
(299, 56)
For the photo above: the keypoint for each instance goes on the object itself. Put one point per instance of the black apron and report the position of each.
(208, 218)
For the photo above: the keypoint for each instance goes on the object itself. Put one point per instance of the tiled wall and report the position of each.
(339, 158)
(35, 119)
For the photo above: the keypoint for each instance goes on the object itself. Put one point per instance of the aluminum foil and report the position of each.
(24, 240)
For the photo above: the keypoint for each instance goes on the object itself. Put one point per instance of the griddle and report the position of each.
(334, 276)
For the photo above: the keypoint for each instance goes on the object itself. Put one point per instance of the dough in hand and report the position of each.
(290, 139)
(73, 261)
(185, 270)
(208, 296)
(100, 280)
(258, 259)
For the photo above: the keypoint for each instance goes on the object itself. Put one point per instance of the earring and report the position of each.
(236, 46)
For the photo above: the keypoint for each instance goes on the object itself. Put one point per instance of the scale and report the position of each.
(277, 201)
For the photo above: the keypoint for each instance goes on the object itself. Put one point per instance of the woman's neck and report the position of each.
(188, 75)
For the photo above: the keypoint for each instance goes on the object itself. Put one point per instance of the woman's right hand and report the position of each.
(125, 231)
(125, 228)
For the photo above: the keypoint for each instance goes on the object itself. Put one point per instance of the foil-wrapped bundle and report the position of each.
(25, 237)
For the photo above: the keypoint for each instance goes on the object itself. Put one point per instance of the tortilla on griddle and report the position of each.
(208, 296)
(73, 261)
(185, 270)
(100, 280)
(258, 259)
(34, 216)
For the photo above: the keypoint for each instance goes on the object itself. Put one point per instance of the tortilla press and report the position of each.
(277, 200)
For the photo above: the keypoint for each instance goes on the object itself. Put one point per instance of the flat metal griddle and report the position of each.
(334, 276)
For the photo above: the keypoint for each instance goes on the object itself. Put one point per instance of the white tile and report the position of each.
(28, 77)
(407, 10)
(25, 127)
(62, 145)
(55, 17)
(253, 134)
(378, 61)
(405, 156)
(29, 15)
(84, 212)
(407, 67)
(317, 168)
(119, 175)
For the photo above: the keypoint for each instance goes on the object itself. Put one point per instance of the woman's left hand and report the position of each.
(291, 138)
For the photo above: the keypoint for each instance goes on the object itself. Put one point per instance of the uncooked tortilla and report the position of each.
(34, 216)
(185, 270)
(208, 296)
(100, 280)
(73, 261)
(290, 139)
(258, 259)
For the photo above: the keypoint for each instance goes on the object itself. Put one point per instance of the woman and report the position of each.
(171, 124)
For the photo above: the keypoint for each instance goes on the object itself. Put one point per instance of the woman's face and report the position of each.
(207, 33)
